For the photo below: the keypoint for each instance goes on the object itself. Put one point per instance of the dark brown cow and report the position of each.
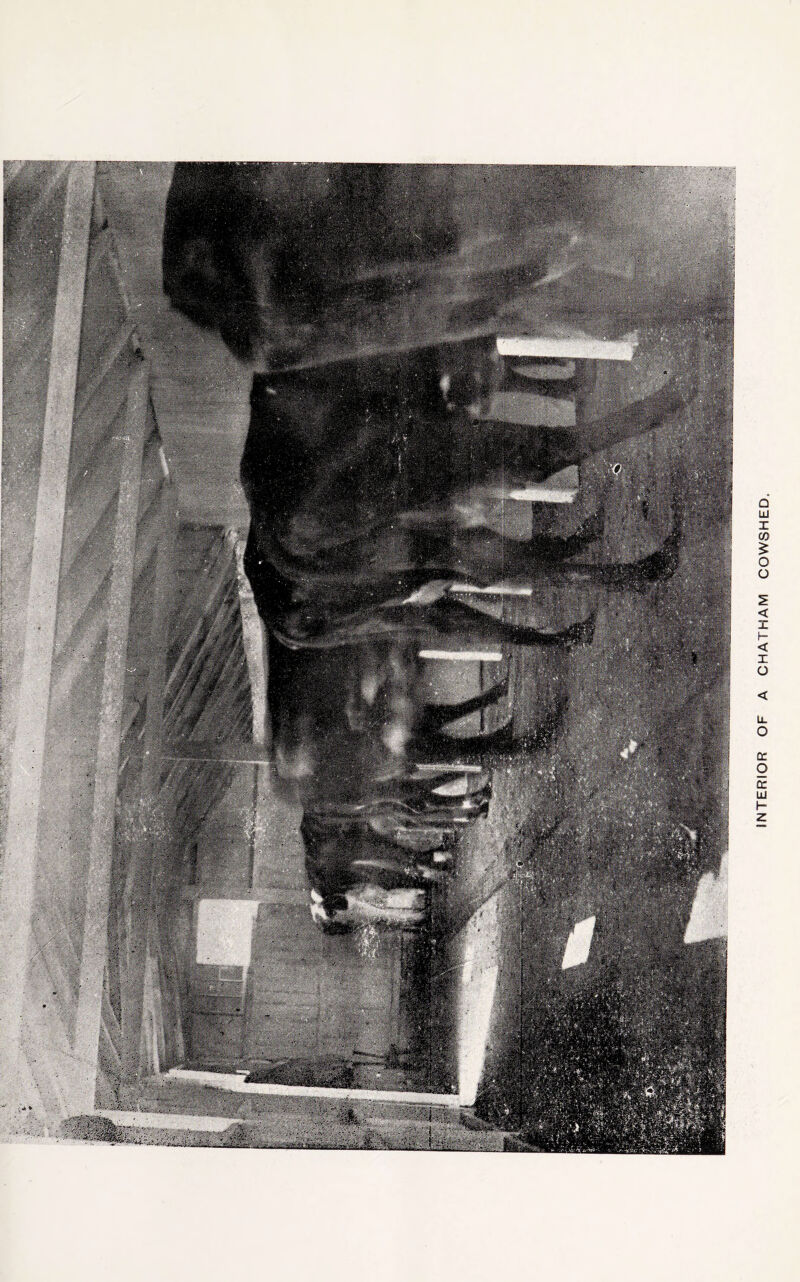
(366, 486)
(289, 262)
(371, 295)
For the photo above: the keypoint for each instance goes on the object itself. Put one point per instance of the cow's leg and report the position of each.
(557, 448)
(655, 568)
(436, 715)
(389, 873)
(497, 743)
(552, 548)
(420, 795)
(454, 617)
(629, 421)
(480, 554)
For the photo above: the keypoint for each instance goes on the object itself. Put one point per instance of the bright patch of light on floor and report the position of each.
(709, 916)
(479, 971)
(474, 1019)
(576, 952)
(224, 931)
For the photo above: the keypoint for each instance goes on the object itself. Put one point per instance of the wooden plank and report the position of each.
(496, 589)
(463, 656)
(254, 639)
(198, 750)
(297, 896)
(92, 626)
(139, 879)
(203, 612)
(578, 347)
(174, 980)
(44, 1025)
(19, 869)
(560, 489)
(425, 768)
(199, 679)
(101, 400)
(93, 493)
(89, 570)
(11, 171)
(59, 936)
(223, 702)
(158, 1005)
(43, 198)
(223, 623)
(101, 840)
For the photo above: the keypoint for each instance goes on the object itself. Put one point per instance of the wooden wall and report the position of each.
(107, 656)
(79, 482)
(305, 994)
(206, 699)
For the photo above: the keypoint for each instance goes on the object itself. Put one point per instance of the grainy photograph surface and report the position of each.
(365, 655)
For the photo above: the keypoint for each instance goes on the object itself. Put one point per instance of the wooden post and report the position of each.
(561, 487)
(227, 751)
(19, 866)
(101, 839)
(576, 346)
(139, 882)
(434, 768)
(463, 656)
(497, 589)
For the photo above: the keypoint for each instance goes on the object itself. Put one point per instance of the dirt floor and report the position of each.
(617, 819)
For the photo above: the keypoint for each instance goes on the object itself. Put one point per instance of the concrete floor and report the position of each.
(617, 820)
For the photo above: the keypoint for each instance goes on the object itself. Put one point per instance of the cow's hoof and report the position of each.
(581, 633)
(593, 527)
(661, 566)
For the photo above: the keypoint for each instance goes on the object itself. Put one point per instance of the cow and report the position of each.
(366, 905)
(273, 256)
(368, 297)
(368, 493)
(351, 723)
(368, 476)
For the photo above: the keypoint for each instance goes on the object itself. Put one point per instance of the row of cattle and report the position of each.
(373, 480)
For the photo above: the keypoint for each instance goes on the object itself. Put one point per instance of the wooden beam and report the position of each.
(139, 880)
(19, 868)
(298, 896)
(463, 656)
(101, 371)
(254, 648)
(213, 789)
(197, 674)
(91, 627)
(496, 589)
(203, 604)
(561, 487)
(92, 495)
(45, 195)
(224, 699)
(101, 839)
(251, 754)
(577, 347)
